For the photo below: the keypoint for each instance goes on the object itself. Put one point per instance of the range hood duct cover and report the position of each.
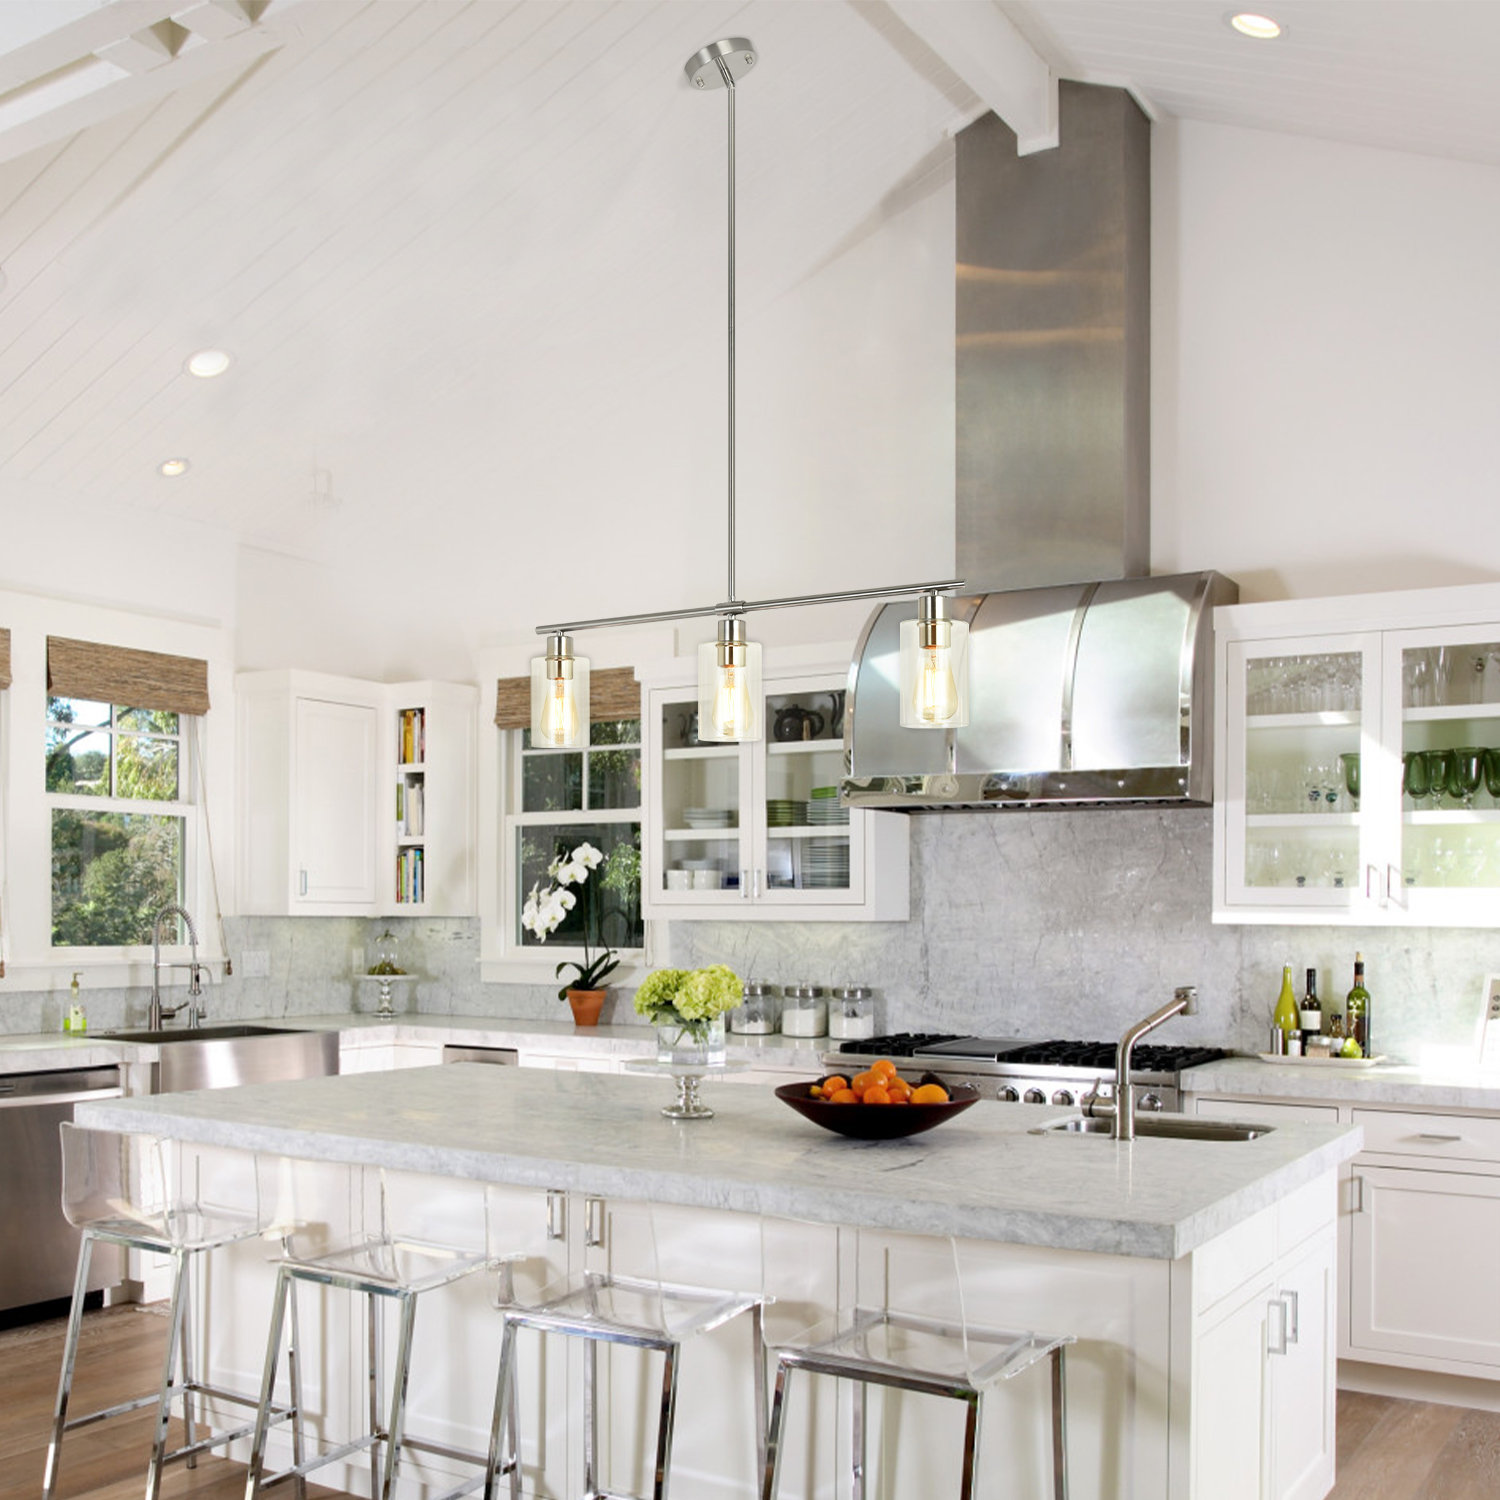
(1081, 691)
(1080, 694)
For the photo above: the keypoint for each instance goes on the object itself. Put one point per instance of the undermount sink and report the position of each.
(1171, 1126)
(221, 1057)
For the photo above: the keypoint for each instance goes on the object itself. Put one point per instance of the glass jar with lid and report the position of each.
(804, 1011)
(755, 1015)
(851, 1012)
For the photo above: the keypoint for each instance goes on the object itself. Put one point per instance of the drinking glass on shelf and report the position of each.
(1443, 862)
(1465, 768)
(1439, 764)
(1414, 781)
(1491, 679)
(1492, 774)
(1416, 679)
(1349, 760)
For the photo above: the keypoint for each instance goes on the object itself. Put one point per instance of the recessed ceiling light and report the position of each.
(207, 363)
(172, 467)
(1260, 28)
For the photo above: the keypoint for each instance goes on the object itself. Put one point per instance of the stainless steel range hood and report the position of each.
(1079, 694)
(1081, 691)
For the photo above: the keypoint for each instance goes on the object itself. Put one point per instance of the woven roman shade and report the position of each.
(132, 679)
(613, 694)
(4, 658)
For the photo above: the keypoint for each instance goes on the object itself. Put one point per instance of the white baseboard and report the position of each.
(1419, 1385)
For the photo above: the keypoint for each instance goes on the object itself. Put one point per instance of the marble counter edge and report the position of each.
(1378, 1085)
(1065, 1227)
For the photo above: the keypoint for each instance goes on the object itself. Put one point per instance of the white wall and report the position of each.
(1325, 381)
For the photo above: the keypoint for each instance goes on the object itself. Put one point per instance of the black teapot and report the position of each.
(797, 723)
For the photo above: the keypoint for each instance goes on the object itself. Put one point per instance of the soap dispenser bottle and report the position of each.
(76, 1020)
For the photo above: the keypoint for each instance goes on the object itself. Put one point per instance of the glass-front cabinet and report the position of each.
(757, 830)
(1358, 772)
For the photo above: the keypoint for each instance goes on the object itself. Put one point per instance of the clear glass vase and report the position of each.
(687, 1044)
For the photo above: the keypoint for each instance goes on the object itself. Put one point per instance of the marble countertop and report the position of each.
(982, 1175)
(1430, 1088)
(43, 1052)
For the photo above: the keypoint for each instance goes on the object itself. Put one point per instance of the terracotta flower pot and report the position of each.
(586, 1005)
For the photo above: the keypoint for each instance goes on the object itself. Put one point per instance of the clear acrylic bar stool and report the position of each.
(394, 1237)
(145, 1193)
(642, 1310)
(944, 1356)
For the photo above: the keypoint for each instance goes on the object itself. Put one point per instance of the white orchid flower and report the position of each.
(587, 857)
(569, 874)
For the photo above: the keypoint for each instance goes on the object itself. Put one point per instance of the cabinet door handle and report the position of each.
(1294, 1315)
(1358, 1184)
(557, 1214)
(593, 1222)
(1433, 1135)
(301, 882)
(1276, 1327)
(744, 885)
(1393, 884)
(1373, 885)
(757, 883)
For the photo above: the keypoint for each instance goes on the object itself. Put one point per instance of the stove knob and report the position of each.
(1035, 1096)
(1149, 1102)
(1064, 1096)
(1007, 1094)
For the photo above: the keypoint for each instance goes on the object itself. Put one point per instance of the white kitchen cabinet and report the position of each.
(1388, 693)
(755, 831)
(334, 818)
(1265, 1348)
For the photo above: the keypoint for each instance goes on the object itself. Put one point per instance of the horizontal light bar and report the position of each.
(749, 606)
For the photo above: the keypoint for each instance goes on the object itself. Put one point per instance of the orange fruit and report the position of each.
(929, 1093)
(833, 1083)
(844, 1096)
(899, 1090)
(885, 1068)
(877, 1093)
(861, 1082)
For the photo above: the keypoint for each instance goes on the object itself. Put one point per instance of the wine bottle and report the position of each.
(1311, 1009)
(1357, 1008)
(1285, 1017)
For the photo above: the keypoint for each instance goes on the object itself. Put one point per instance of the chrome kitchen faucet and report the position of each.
(160, 1012)
(1184, 1001)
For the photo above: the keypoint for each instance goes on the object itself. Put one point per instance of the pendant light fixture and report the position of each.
(730, 705)
(934, 668)
(559, 696)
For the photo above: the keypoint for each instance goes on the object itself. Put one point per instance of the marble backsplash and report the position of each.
(1056, 924)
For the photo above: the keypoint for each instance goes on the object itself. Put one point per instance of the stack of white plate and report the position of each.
(710, 817)
(825, 864)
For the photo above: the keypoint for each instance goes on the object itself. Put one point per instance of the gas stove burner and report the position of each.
(1101, 1055)
(899, 1044)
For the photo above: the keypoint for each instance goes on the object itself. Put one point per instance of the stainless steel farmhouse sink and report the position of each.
(221, 1057)
(1172, 1127)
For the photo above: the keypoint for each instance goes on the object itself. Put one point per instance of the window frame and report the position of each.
(205, 796)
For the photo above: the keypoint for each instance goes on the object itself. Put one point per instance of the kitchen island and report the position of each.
(1173, 1261)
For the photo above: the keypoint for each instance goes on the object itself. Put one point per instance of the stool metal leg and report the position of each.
(590, 1417)
(70, 1357)
(186, 1359)
(507, 1408)
(375, 1355)
(294, 1383)
(1059, 1424)
(399, 1382)
(758, 1356)
(665, 1420)
(772, 1465)
(859, 1421)
(168, 1370)
(971, 1444)
(268, 1386)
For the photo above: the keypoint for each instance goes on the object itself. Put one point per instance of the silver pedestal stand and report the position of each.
(688, 1105)
(384, 1010)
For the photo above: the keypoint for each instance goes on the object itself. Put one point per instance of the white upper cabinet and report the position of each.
(756, 831)
(1358, 760)
(355, 798)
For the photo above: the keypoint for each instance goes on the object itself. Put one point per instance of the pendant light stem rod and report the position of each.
(729, 90)
(750, 606)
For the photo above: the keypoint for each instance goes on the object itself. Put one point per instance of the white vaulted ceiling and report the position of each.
(457, 249)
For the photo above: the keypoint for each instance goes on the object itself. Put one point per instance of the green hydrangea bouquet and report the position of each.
(692, 999)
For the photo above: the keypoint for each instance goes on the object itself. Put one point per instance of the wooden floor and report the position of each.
(1387, 1449)
(120, 1353)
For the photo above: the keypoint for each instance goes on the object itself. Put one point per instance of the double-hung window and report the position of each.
(119, 814)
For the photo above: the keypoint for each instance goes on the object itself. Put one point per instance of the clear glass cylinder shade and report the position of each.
(559, 704)
(730, 706)
(935, 681)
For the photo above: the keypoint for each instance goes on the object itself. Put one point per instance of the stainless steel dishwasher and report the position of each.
(38, 1247)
